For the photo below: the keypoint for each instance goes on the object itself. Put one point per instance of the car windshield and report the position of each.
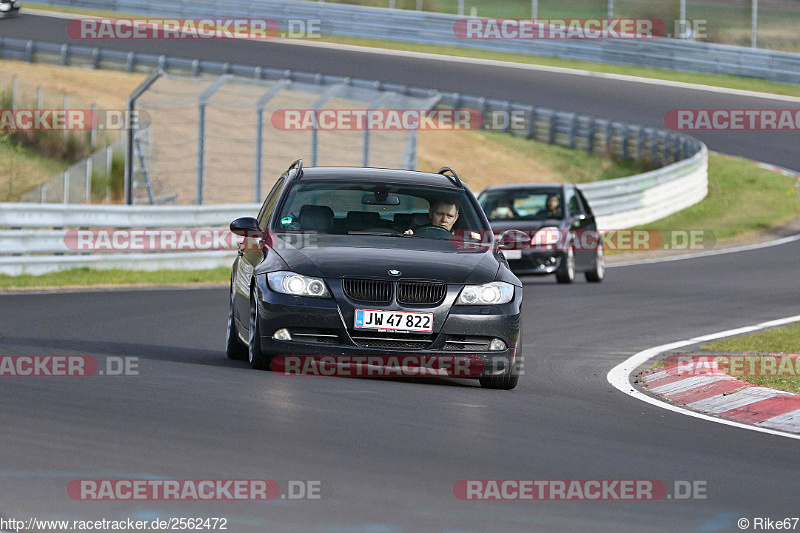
(390, 210)
(522, 204)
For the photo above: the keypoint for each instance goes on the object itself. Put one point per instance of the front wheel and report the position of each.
(597, 273)
(566, 271)
(258, 359)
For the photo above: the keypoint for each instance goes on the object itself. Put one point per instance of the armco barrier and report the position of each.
(437, 28)
(30, 245)
(618, 203)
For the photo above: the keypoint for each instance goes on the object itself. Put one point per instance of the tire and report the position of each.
(598, 272)
(255, 355)
(234, 348)
(566, 270)
(508, 379)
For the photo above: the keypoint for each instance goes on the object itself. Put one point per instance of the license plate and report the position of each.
(512, 254)
(393, 320)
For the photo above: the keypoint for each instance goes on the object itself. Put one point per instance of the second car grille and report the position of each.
(367, 290)
(420, 292)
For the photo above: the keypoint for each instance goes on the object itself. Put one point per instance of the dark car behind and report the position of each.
(564, 241)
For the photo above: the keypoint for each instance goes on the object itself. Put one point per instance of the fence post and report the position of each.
(201, 133)
(44, 193)
(130, 131)
(66, 186)
(14, 92)
(39, 98)
(89, 180)
(93, 134)
(365, 148)
(66, 107)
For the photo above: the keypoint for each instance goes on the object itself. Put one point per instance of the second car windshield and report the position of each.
(522, 205)
(341, 207)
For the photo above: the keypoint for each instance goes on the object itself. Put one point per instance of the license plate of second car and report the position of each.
(512, 254)
(393, 320)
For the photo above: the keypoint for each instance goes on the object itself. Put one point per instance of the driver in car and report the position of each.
(443, 214)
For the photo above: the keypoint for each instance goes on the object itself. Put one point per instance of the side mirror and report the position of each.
(246, 227)
(513, 239)
(577, 220)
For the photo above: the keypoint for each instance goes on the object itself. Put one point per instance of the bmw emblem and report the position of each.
(394, 272)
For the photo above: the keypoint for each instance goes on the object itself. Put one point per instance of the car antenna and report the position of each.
(299, 166)
(454, 178)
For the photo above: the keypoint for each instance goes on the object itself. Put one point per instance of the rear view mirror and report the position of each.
(380, 199)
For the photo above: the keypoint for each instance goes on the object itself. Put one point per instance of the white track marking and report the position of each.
(619, 376)
(745, 248)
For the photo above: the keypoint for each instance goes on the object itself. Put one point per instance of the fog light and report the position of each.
(497, 345)
(282, 335)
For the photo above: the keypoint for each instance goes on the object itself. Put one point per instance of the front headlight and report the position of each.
(297, 285)
(495, 293)
(546, 236)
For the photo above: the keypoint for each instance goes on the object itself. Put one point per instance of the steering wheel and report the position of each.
(436, 232)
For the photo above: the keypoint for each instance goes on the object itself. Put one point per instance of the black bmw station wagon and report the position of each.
(346, 262)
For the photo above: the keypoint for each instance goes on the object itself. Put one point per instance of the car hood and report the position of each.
(333, 256)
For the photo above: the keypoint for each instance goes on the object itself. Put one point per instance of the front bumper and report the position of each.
(324, 327)
(537, 262)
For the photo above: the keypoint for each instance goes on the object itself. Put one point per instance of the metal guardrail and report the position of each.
(425, 27)
(121, 216)
(618, 203)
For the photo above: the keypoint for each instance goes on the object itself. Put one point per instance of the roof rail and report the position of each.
(299, 166)
(454, 178)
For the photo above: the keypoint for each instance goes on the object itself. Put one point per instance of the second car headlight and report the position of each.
(495, 293)
(297, 285)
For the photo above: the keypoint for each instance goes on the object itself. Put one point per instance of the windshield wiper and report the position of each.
(378, 233)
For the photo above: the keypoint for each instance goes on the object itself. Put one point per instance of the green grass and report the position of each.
(574, 165)
(785, 340)
(89, 277)
(777, 340)
(742, 198)
(733, 82)
(22, 169)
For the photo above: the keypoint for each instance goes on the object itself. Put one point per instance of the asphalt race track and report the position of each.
(388, 452)
(640, 103)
